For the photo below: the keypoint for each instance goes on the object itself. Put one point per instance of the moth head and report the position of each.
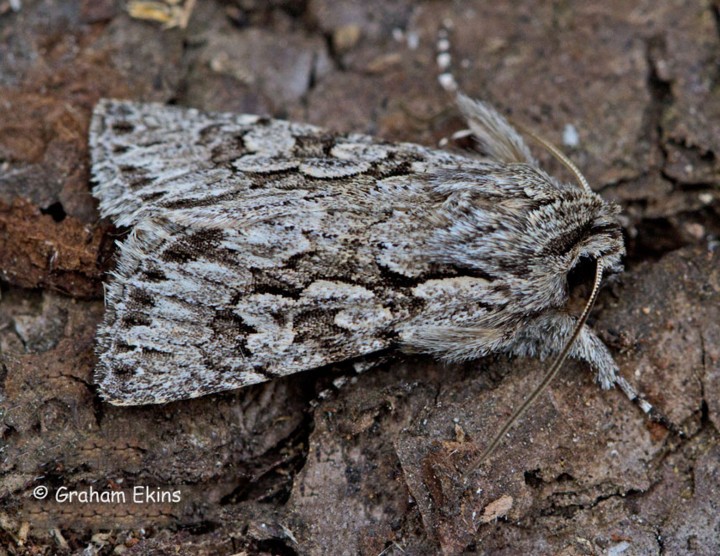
(601, 238)
(581, 243)
(597, 245)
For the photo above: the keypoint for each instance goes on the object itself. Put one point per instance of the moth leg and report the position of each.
(590, 348)
(634, 396)
(546, 336)
(649, 409)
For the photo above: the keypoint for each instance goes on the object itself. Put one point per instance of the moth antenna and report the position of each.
(631, 393)
(447, 81)
(550, 374)
(558, 154)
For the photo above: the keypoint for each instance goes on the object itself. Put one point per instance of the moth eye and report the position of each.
(582, 273)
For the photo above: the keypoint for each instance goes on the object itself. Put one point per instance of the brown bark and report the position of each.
(301, 466)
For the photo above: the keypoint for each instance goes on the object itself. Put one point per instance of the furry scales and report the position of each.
(260, 248)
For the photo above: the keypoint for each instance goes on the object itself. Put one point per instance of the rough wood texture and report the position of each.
(326, 461)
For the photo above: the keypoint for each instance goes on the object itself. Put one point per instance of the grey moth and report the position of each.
(259, 248)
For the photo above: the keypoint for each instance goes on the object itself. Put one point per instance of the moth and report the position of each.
(260, 248)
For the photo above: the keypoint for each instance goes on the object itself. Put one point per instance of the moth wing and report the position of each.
(144, 155)
(261, 248)
(195, 311)
(258, 248)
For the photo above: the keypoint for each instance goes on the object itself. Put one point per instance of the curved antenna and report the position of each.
(557, 153)
(549, 375)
